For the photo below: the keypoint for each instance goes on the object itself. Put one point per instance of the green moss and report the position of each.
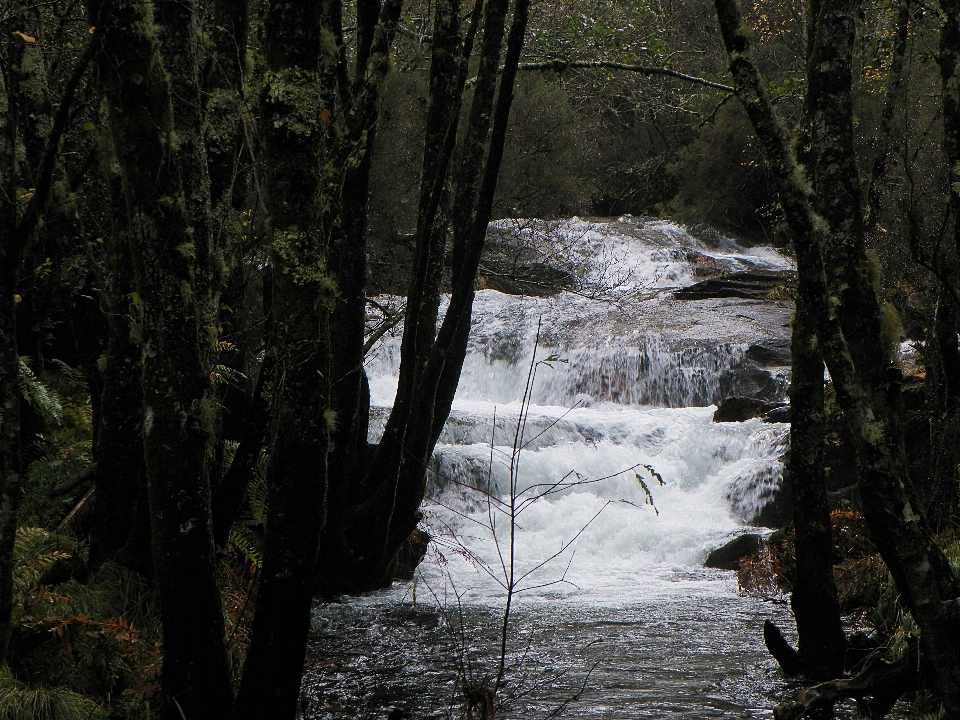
(297, 93)
(330, 418)
(891, 328)
(874, 270)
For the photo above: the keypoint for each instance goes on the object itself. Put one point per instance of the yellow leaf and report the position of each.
(16, 299)
(26, 38)
(92, 28)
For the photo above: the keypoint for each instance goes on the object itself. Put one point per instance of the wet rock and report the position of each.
(534, 279)
(778, 511)
(778, 415)
(727, 557)
(752, 285)
(762, 497)
(772, 352)
(738, 409)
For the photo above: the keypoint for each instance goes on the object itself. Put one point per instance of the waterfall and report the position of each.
(624, 391)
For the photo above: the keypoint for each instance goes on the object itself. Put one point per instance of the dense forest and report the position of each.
(201, 199)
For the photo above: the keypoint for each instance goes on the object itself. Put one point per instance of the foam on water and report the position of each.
(622, 393)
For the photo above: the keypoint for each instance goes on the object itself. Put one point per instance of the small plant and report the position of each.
(487, 692)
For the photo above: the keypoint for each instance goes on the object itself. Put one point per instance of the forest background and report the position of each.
(198, 197)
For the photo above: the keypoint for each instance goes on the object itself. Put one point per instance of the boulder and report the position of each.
(739, 408)
(778, 415)
(728, 557)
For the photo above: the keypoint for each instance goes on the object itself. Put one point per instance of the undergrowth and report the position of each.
(865, 588)
(88, 644)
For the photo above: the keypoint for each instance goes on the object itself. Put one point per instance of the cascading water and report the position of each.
(623, 392)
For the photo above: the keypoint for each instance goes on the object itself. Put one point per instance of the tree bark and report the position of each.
(814, 597)
(172, 274)
(919, 568)
(430, 363)
(293, 115)
(11, 254)
(894, 88)
(942, 362)
(121, 474)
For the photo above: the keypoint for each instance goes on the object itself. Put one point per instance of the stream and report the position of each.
(612, 615)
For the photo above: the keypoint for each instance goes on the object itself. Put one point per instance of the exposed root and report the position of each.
(881, 681)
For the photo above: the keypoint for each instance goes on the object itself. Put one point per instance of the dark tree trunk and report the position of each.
(887, 143)
(224, 82)
(919, 568)
(229, 492)
(822, 643)
(172, 268)
(945, 495)
(11, 254)
(294, 127)
(431, 360)
(942, 361)
(121, 474)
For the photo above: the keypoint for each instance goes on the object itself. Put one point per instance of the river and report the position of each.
(612, 613)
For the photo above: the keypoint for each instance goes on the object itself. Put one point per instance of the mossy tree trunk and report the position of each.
(349, 184)
(946, 403)
(942, 363)
(293, 118)
(172, 272)
(121, 484)
(866, 383)
(11, 257)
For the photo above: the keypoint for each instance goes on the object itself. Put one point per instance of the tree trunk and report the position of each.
(942, 362)
(121, 474)
(292, 112)
(431, 360)
(888, 145)
(816, 609)
(173, 279)
(11, 254)
(921, 572)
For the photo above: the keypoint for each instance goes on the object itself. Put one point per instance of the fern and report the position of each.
(229, 452)
(245, 542)
(39, 396)
(257, 491)
(33, 557)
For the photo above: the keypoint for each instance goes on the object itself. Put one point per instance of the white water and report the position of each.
(633, 387)
(614, 606)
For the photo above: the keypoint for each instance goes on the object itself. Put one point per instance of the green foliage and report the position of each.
(64, 449)
(243, 538)
(21, 701)
(541, 174)
(723, 180)
(35, 552)
(256, 497)
(100, 638)
(41, 398)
